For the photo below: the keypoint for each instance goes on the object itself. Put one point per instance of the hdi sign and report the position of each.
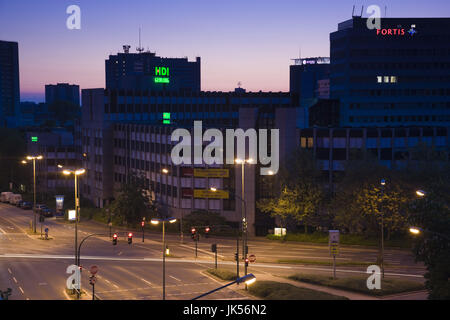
(162, 71)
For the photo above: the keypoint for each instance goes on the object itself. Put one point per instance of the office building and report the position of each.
(62, 92)
(9, 83)
(146, 71)
(398, 75)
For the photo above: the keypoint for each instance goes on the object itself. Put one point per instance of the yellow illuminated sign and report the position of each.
(211, 173)
(206, 193)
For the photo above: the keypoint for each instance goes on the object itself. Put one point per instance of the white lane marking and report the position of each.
(15, 280)
(9, 270)
(3, 231)
(174, 278)
(260, 265)
(201, 250)
(21, 290)
(115, 285)
(107, 281)
(147, 282)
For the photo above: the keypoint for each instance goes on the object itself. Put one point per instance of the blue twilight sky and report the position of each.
(238, 40)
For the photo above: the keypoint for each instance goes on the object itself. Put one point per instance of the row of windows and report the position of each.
(400, 105)
(381, 154)
(157, 187)
(142, 165)
(365, 119)
(400, 92)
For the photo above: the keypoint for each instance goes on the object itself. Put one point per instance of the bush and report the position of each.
(359, 284)
(271, 290)
(222, 274)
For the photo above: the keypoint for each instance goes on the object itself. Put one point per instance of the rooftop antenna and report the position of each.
(239, 84)
(353, 11)
(385, 11)
(362, 8)
(139, 49)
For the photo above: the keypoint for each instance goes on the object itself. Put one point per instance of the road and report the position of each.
(36, 269)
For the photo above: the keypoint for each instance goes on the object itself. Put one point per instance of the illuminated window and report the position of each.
(386, 79)
(393, 79)
(379, 79)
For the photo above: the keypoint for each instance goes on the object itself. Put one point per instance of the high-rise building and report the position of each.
(398, 75)
(9, 83)
(146, 71)
(62, 92)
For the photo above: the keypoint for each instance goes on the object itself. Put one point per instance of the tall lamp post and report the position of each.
(156, 221)
(34, 158)
(76, 173)
(242, 162)
(383, 183)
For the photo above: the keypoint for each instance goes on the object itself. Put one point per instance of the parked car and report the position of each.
(18, 204)
(25, 205)
(39, 207)
(4, 197)
(15, 198)
(46, 212)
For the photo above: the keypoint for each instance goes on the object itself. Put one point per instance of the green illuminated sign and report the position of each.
(166, 117)
(34, 139)
(162, 75)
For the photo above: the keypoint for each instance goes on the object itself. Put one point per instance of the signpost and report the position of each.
(333, 242)
(92, 279)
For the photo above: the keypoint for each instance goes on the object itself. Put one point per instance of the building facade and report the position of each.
(146, 71)
(398, 75)
(9, 83)
(128, 133)
(62, 92)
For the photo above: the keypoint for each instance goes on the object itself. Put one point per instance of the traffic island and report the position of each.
(359, 284)
(222, 274)
(271, 290)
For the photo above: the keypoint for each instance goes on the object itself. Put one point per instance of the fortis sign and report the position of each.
(396, 31)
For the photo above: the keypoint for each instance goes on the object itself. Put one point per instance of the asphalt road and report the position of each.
(36, 269)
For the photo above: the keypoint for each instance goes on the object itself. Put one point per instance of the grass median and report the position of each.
(359, 284)
(222, 274)
(271, 290)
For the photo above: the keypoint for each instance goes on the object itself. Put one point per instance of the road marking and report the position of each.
(119, 253)
(115, 285)
(9, 270)
(21, 290)
(15, 280)
(3, 231)
(201, 250)
(174, 278)
(147, 282)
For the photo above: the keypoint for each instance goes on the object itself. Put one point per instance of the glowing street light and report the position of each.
(75, 173)
(248, 279)
(156, 221)
(34, 158)
(414, 230)
(421, 193)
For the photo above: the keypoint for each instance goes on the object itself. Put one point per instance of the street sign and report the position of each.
(93, 270)
(252, 258)
(334, 248)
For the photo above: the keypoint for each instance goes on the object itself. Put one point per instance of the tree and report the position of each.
(133, 203)
(300, 192)
(432, 214)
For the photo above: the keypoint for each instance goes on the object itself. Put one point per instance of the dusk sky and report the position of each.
(248, 41)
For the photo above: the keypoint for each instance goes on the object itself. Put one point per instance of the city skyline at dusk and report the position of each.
(250, 42)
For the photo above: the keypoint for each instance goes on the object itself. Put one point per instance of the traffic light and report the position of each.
(193, 233)
(115, 239)
(142, 224)
(246, 262)
(207, 229)
(246, 250)
(214, 247)
(236, 256)
(130, 238)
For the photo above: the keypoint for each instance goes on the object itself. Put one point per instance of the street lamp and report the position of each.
(244, 212)
(76, 173)
(383, 184)
(34, 158)
(247, 279)
(244, 222)
(421, 193)
(417, 231)
(156, 221)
